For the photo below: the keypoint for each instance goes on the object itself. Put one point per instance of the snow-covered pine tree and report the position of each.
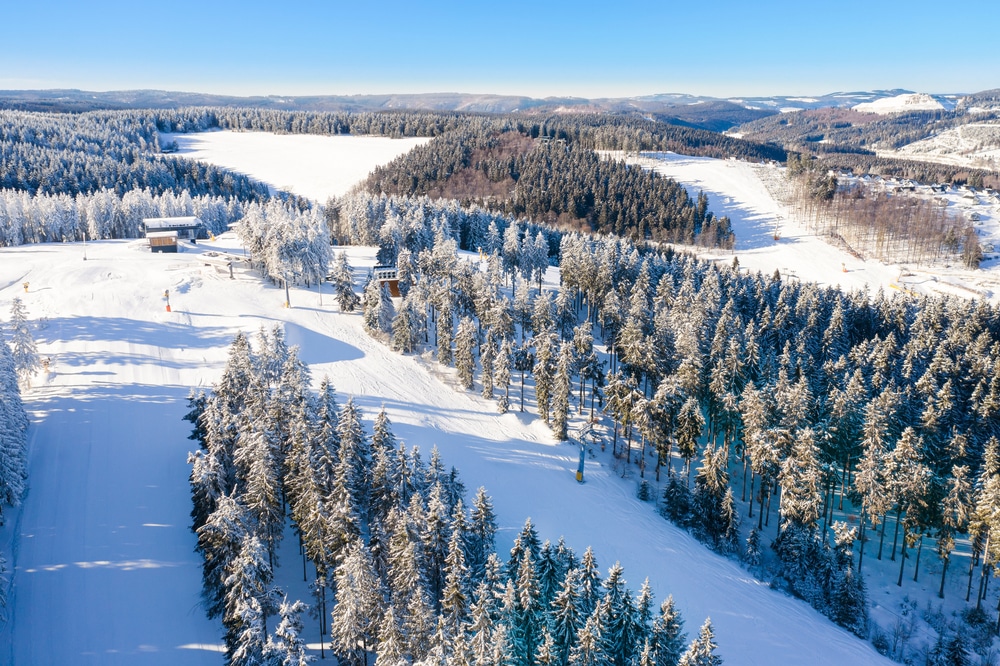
(668, 635)
(454, 598)
(565, 617)
(373, 307)
(712, 515)
(701, 652)
(690, 423)
(403, 339)
(358, 607)
(848, 598)
(465, 359)
(386, 310)
(561, 391)
(22, 345)
(445, 330)
(619, 632)
(219, 541)
(544, 371)
(287, 647)
(487, 357)
(502, 375)
(249, 599)
(589, 649)
(482, 531)
(589, 583)
(391, 647)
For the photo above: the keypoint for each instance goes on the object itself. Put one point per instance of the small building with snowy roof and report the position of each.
(188, 228)
(162, 241)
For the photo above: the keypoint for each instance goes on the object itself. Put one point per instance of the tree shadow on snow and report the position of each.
(134, 331)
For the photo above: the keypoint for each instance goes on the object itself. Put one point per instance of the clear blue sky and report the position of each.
(582, 48)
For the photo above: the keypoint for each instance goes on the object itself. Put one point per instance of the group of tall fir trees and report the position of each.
(400, 568)
(793, 398)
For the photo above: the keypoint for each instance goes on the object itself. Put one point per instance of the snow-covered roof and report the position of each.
(161, 234)
(171, 222)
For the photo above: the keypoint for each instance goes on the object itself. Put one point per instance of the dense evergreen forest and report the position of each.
(553, 181)
(856, 130)
(628, 132)
(47, 153)
(797, 400)
(400, 568)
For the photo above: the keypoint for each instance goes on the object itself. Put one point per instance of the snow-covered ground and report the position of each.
(901, 104)
(310, 165)
(751, 196)
(104, 568)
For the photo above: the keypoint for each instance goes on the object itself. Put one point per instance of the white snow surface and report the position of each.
(104, 565)
(751, 196)
(901, 104)
(310, 165)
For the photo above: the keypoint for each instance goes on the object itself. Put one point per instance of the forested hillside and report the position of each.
(44, 153)
(554, 181)
(797, 400)
(848, 139)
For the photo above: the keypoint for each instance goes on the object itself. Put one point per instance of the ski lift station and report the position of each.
(187, 228)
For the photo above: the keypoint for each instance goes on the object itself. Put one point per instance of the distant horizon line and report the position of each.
(428, 93)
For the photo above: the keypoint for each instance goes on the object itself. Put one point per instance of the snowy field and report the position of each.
(746, 193)
(313, 166)
(104, 566)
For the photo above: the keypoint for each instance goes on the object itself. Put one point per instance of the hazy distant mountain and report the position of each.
(703, 112)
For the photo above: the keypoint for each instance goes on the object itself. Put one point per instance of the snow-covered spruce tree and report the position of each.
(667, 635)
(619, 631)
(804, 562)
(373, 307)
(343, 284)
(701, 652)
(287, 647)
(487, 359)
(544, 371)
(848, 598)
(219, 541)
(22, 345)
(465, 360)
(403, 339)
(482, 533)
(713, 514)
(454, 598)
(386, 311)
(561, 391)
(502, 375)
(445, 330)
(249, 599)
(354, 627)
